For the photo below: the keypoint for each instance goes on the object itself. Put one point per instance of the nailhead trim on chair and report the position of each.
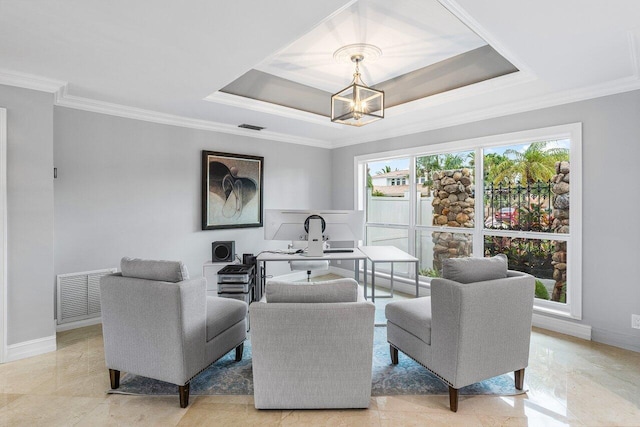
(207, 367)
(419, 363)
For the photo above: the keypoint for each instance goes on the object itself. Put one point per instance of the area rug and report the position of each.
(227, 377)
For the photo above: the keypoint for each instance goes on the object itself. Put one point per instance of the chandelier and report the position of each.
(357, 104)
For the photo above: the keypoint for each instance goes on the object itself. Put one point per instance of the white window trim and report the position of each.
(572, 131)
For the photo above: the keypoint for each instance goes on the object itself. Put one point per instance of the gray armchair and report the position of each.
(475, 325)
(312, 346)
(159, 324)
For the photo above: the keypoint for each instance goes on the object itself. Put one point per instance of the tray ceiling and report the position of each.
(167, 62)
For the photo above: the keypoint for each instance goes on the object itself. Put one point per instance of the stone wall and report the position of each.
(560, 224)
(453, 206)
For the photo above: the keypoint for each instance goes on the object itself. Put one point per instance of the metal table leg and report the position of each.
(365, 278)
(417, 281)
(373, 281)
(391, 289)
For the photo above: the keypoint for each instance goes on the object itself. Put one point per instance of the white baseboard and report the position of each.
(78, 324)
(617, 339)
(31, 348)
(562, 326)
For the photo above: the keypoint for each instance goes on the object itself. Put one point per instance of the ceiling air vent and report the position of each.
(252, 127)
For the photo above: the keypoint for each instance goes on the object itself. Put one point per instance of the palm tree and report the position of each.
(531, 165)
(453, 161)
(492, 162)
(384, 170)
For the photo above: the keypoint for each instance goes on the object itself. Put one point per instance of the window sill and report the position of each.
(540, 309)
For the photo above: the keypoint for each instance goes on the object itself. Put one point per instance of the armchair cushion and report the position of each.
(163, 271)
(339, 290)
(413, 315)
(469, 270)
(223, 313)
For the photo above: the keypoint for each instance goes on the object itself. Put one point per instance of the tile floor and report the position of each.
(571, 382)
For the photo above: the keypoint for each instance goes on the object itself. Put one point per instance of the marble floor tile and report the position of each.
(249, 416)
(120, 410)
(33, 410)
(313, 418)
(5, 399)
(570, 382)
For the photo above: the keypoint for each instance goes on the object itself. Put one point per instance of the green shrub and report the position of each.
(429, 272)
(541, 290)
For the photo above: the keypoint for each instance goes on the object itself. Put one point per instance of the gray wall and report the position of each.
(30, 280)
(128, 187)
(611, 234)
(132, 188)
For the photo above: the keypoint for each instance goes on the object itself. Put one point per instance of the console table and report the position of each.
(389, 254)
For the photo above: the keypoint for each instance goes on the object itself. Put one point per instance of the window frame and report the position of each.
(573, 131)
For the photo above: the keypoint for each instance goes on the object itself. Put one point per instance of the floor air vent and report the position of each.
(79, 295)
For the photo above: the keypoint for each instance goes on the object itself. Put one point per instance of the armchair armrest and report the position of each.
(167, 342)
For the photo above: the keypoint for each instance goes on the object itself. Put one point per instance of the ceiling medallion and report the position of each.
(357, 104)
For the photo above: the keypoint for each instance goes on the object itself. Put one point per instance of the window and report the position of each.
(527, 195)
(516, 194)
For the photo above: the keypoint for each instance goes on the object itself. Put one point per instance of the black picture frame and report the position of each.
(232, 187)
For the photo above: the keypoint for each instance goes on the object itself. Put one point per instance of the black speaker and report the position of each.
(223, 251)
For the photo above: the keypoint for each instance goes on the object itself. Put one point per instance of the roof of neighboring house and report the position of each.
(392, 174)
(398, 190)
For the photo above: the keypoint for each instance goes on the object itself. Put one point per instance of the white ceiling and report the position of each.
(411, 34)
(158, 60)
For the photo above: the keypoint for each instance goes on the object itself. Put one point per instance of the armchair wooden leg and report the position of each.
(453, 399)
(114, 376)
(183, 390)
(394, 355)
(239, 350)
(519, 374)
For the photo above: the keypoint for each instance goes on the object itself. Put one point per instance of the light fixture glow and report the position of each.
(357, 104)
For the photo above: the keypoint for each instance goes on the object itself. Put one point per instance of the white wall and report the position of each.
(611, 233)
(30, 278)
(133, 188)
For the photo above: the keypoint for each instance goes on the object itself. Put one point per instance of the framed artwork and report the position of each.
(231, 190)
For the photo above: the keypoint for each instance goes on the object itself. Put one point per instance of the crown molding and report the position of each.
(622, 85)
(459, 12)
(63, 99)
(269, 108)
(30, 81)
(462, 93)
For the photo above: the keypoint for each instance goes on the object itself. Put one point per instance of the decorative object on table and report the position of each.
(231, 190)
(158, 323)
(475, 325)
(357, 104)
